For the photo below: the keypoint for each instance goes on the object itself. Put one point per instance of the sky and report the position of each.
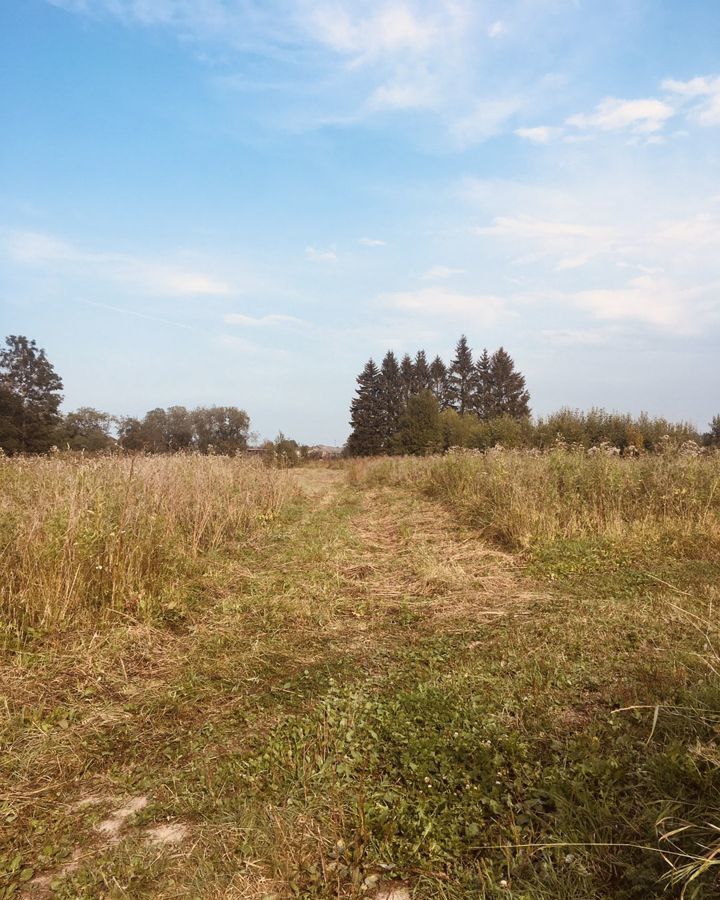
(239, 202)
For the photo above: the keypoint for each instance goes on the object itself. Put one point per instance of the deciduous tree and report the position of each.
(27, 373)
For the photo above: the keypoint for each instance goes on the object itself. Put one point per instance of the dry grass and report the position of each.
(521, 499)
(83, 538)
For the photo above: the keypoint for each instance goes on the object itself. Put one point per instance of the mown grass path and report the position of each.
(367, 701)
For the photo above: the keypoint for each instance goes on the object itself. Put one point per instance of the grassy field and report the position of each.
(471, 676)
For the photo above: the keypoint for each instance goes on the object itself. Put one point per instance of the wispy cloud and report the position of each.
(637, 116)
(706, 90)
(538, 134)
(437, 273)
(274, 319)
(37, 249)
(321, 255)
(438, 301)
(372, 242)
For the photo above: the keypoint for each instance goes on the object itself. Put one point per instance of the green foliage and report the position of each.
(367, 414)
(87, 429)
(31, 397)
(420, 428)
(462, 378)
(206, 429)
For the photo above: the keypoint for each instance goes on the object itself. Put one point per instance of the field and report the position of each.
(479, 675)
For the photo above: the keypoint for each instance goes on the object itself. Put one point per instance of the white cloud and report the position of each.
(576, 337)
(613, 114)
(707, 89)
(540, 134)
(530, 227)
(436, 273)
(440, 302)
(262, 321)
(372, 242)
(389, 28)
(402, 95)
(44, 250)
(651, 300)
(316, 254)
(487, 119)
(497, 29)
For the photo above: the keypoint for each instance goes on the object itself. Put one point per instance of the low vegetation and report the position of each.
(478, 675)
(87, 538)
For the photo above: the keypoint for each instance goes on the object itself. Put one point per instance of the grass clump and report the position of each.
(81, 538)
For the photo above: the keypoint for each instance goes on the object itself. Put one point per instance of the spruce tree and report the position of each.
(407, 376)
(366, 416)
(27, 373)
(483, 398)
(390, 398)
(421, 373)
(439, 381)
(508, 395)
(462, 381)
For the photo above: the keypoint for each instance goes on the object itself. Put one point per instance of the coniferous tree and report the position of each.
(483, 397)
(27, 373)
(407, 376)
(462, 380)
(508, 395)
(439, 381)
(391, 399)
(366, 417)
(421, 373)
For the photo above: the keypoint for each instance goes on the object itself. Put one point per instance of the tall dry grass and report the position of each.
(521, 499)
(81, 538)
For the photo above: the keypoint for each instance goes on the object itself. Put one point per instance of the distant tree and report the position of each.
(392, 404)
(88, 429)
(439, 381)
(507, 392)
(283, 450)
(26, 372)
(154, 431)
(462, 381)
(179, 430)
(366, 414)
(421, 428)
(221, 429)
(407, 377)
(130, 433)
(421, 373)
(11, 414)
(483, 399)
(712, 438)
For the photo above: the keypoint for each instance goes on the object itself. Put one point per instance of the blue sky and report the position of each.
(238, 202)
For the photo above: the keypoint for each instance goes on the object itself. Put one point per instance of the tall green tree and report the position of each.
(462, 378)
(439, 381)
(407, 376)
(421, 428)
(391, 398)
(508, 394)
(421, 373)
(483, 397)
(366, 414)
(27, 373)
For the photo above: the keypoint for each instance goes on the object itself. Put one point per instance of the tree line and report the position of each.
(31, 420)
(409, 406)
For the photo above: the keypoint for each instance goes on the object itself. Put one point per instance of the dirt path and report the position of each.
(127, 768)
